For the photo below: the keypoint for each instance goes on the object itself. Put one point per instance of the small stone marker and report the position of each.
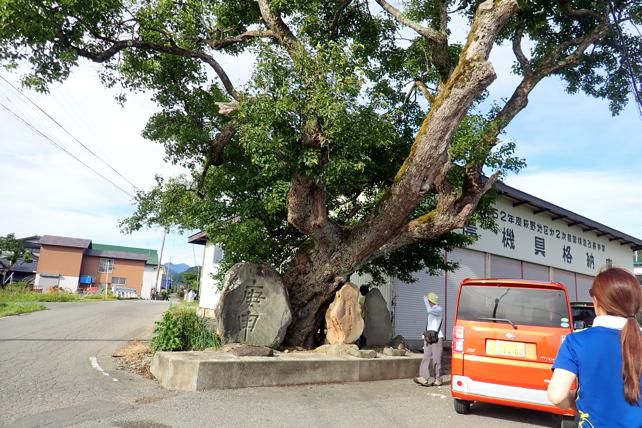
(254, 307)
(391, 352)
(343, 317)
(378, 328)
(362, 353)
(398, 342)
(336, 349)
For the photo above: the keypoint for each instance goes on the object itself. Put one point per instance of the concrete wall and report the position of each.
(208, 289)
(149, 279)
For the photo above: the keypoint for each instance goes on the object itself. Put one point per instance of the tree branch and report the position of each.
(581, 13)
(551, 64)
(120, 45)
(424, 90)
(452, 212)
(437, 39)
(215, 153)
(334, 26)
(519, 53)
(243, 37)
(430, 34)
(276, 24)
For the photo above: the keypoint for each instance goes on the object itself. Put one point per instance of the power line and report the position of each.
(68, 133)
(46, 137)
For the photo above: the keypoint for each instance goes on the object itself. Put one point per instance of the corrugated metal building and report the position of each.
(536, 240)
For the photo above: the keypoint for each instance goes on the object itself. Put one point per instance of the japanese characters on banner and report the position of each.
(536, 238)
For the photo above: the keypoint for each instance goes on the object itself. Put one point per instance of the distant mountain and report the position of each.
(176, 269)
(195, 270)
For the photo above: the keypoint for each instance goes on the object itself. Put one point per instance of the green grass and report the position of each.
(7, 309)
(21, 293)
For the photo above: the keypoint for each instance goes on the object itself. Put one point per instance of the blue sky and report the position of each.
(578, 156)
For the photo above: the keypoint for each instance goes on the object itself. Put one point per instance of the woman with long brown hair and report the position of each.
(606, 359)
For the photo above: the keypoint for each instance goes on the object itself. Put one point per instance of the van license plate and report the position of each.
(504, 348)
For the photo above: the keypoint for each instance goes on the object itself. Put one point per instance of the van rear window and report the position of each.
(525, 306)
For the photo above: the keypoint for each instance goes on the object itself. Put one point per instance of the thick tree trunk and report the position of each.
(312, 282)
(317, 273)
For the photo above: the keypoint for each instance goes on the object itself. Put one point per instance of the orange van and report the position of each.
(506, 336)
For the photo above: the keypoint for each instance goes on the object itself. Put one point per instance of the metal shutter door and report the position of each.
(409, 310)
(503, 267)
(535, 272)
(584, 284)
(568, 279)
(471, 265)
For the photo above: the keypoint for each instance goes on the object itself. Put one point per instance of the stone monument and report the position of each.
(254, 308)
(343, 317)
(378, 328)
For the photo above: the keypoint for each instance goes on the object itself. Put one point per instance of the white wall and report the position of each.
(67, 282)
(589, 252)
(209, 294)
(149, 278)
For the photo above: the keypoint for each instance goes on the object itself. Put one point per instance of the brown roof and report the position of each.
(198, 238)
(63, 241)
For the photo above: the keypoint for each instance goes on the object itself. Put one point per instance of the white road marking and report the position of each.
(94, 363)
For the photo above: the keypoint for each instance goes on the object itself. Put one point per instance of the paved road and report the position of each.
(46, 379)
(46, 376)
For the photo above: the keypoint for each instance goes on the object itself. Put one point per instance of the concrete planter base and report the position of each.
(199, 371)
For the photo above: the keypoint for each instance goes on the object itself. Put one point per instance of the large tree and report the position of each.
(360, 142)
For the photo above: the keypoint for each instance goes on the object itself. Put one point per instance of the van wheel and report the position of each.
(463, 407)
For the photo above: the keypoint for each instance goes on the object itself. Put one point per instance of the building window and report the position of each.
(118, 281)
(106, 266)
(218, 254)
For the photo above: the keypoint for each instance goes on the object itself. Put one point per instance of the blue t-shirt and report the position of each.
(595, 356)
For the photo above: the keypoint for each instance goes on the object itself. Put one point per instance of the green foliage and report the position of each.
(13, 249)
(338, 108)
(7, 309)
(190, 278)
(181, 329)
(22, 292)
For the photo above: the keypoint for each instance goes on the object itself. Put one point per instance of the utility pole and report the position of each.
(160, 260)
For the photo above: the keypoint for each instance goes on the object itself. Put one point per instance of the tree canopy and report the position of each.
(13, 249)
(360, 142)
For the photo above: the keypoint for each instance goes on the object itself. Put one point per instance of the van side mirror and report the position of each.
(578, 325)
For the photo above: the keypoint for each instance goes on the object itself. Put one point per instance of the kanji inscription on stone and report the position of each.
(254, 295)
(248, 322)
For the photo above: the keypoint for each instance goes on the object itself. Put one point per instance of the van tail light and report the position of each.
(458, 339)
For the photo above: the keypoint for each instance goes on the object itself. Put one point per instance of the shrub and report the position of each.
(181, 329)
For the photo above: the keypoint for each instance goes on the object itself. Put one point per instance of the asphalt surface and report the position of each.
(47, 379)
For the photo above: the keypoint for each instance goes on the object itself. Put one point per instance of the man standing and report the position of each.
(433, 343)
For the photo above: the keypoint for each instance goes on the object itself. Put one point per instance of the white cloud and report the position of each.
(610, 198)
(45, 191)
